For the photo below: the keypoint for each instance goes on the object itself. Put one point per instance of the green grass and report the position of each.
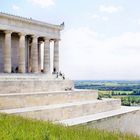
(18, 128)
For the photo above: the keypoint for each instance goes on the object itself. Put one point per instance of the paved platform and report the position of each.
(28, 76)
(67, 110)
(26, 83)
(98, 116)
(19, 100)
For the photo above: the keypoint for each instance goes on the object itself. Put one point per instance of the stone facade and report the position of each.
(25, 56)
(20, 40)
(124, 123)
(28, 84)
(44, 98)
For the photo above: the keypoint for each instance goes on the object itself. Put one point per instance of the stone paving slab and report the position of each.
(19, 84)
(20, 100)
(47, 92)
(65, 111)
(98, 116)
(29, 77)
(55, 106)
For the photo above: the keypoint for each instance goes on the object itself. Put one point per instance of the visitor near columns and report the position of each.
(56, 57)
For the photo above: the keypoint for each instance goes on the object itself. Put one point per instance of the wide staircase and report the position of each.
(56, 106)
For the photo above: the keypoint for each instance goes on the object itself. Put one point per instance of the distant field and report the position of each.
(104, 92)
(121, 92)
(127, 91)
(111, 84)
(127, 98)
(116, 92)
(108, 85)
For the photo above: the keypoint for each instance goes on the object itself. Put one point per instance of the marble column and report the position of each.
(7, 52)
(47, 56)
(56, 56)
(34, 54)
(30, 55)
(39, 56)
(21, 66)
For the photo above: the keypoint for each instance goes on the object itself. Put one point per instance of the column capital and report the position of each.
(22, 34)
(56, 40)
(40, 42)
(8, 32)
(56, 43)
(35, 36)
(46, 39)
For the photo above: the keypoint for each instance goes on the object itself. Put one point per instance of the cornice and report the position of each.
(31, 21)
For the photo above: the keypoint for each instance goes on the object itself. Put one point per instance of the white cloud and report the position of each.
(42, 3)
(105, 18)
(15, 7)
(109, 9)
(95, 17)
(98, 17)
(137, 21)
(84, 55)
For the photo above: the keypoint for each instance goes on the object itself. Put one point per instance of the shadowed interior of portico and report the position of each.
(27, 54)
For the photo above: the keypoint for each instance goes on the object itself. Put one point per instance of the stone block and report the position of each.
(20, 83)
(17, 100)
(66, 111)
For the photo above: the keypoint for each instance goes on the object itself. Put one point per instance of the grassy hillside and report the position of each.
(18, 128)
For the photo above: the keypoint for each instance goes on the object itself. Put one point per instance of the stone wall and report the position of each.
(128, 123)
(45, 98)
(33, 85)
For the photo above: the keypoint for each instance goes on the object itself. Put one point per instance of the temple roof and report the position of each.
(33, 21)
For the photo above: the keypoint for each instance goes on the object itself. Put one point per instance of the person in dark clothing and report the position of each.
(16, 70)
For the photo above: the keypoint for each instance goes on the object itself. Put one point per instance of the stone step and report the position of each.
(19, 100)
(98, 116)
(58, 112)
(26, 76)
(26, 83)
(29, 84)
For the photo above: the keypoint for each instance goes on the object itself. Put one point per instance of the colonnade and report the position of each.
(35, 57)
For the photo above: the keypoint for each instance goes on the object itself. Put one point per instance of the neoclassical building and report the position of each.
(20, 45)
(25, 56)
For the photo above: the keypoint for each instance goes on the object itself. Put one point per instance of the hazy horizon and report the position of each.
(106, 79)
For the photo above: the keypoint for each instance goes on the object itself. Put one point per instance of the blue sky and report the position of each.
(101, 39)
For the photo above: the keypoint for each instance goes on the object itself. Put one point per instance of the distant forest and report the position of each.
(110, 85)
